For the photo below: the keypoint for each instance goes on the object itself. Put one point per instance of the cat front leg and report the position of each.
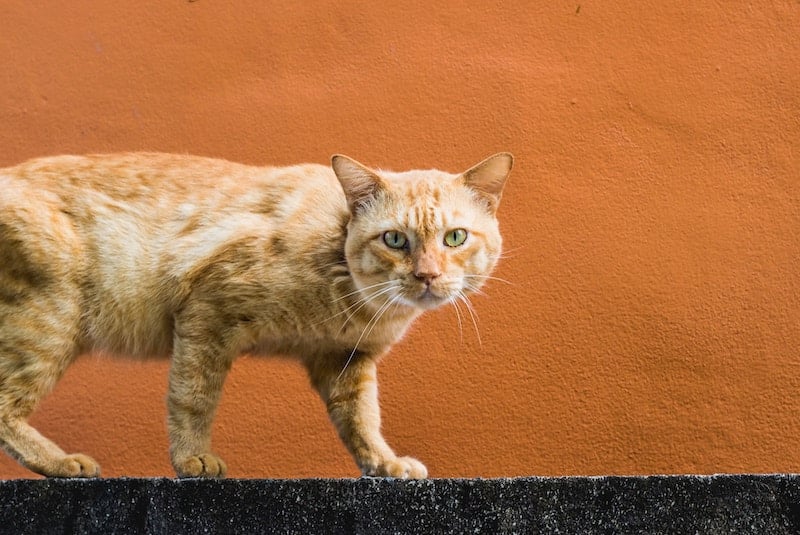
(351, 397)
(199, 367)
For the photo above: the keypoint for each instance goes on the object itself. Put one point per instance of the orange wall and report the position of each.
(653, 217)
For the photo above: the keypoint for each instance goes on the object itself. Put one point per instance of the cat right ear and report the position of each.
(360, 183)
(489, 177)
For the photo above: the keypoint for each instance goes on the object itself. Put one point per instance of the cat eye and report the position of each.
(395, 239)
(455, 237)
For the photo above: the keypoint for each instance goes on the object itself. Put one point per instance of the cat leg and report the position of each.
(351, 398)
(198, 371)
(37, 343)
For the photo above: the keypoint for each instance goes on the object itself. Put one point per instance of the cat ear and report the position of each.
(359, 183)
(489, 177)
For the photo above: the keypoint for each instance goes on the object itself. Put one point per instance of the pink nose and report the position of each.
(426, 275)
(427, 268)
(427, 278)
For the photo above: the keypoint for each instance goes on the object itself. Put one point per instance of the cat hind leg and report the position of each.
(41, 455)
(37, 343)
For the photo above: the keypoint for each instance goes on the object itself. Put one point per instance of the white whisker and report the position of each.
(507, 254)
(367, 298)
(488, 277)
(454, 302)
(368, 329)
(385, 308)
(361, 303)
(475, 290)
(384, 283)
(472, 314)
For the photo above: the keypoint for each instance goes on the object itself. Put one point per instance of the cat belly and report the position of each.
(132, 328)
(126, 302)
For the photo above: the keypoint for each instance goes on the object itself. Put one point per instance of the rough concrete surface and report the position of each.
(655, 504)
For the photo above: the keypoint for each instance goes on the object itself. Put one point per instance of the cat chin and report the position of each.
(430, 303)
(427, 301)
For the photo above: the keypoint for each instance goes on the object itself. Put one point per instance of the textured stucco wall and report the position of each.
(652, 220)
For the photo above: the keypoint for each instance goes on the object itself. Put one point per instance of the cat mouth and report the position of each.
(428, 298)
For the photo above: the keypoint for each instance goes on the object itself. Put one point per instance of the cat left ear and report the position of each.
(489, 177)
(359, 182)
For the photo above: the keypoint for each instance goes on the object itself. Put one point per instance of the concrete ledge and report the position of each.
(658, 504)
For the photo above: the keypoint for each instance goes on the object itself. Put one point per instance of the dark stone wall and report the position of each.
(658, 504)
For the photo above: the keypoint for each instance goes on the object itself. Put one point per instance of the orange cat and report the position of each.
(203, 260)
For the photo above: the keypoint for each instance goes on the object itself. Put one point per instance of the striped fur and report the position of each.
(201, 260)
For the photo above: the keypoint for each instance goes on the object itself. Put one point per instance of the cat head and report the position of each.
(422, 238)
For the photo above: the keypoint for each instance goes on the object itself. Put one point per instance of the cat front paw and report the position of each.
(202, 465)
(399, 467)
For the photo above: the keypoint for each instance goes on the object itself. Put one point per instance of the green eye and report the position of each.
(394, 239)
(455, 237)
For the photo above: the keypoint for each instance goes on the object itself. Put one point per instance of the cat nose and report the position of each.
(426, 267)
(426, 276)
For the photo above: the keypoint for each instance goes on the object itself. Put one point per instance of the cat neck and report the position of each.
(368, 319)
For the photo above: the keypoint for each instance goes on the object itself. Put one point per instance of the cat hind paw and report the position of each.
(74, 465)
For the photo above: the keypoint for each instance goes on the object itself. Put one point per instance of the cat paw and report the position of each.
(203, 465)
(75, 465)
(400, 467)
